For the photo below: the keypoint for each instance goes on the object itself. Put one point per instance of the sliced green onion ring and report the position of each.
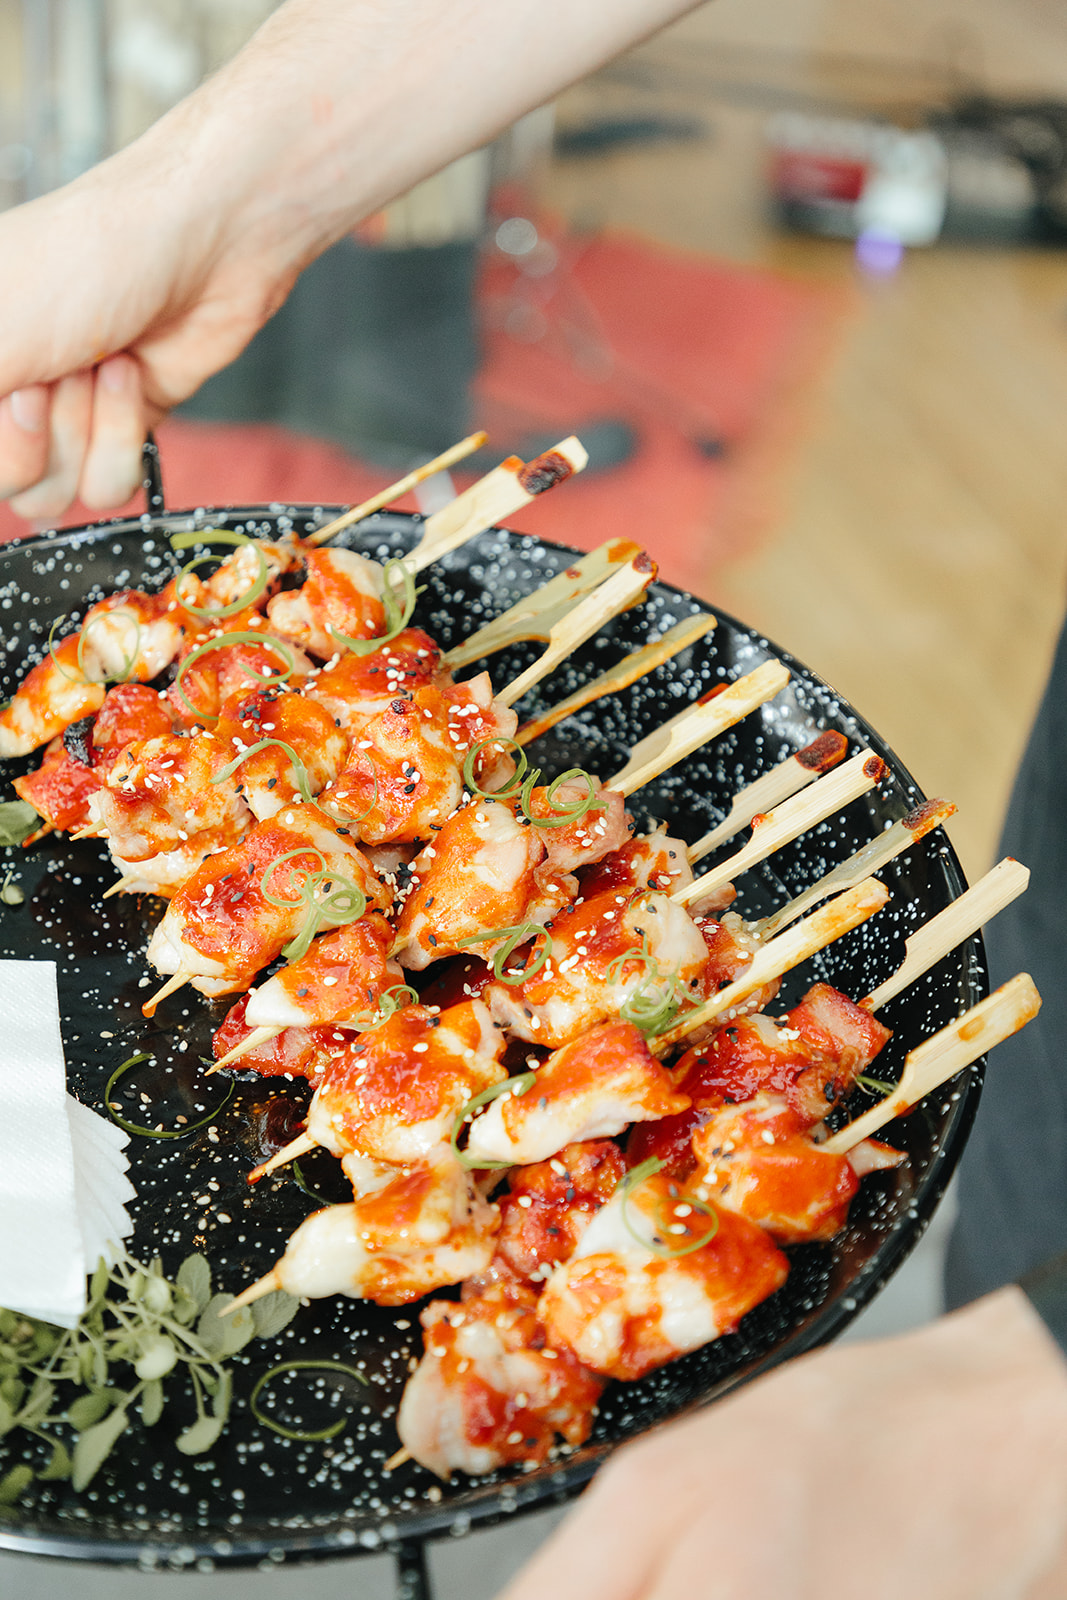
(83, 632)
(302, 1434)
(154, 1133)
(516, 1086)
(184, 541)
(638, 1175)
(513, 937)
(389, 1002)
(306, 877)
(874, 1085)
(645, 1010)
(562, 815)
(345, 903)
(510, 789)
(221, 642)
(71, 677)
(296, 1171)
(397, 616)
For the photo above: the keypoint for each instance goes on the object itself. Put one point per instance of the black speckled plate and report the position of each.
(258, 1496)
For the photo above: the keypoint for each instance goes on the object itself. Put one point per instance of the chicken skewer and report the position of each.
(448, 458)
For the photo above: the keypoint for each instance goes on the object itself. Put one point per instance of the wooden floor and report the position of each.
(920, 562)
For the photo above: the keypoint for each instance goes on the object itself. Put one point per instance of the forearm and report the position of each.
(337, 106)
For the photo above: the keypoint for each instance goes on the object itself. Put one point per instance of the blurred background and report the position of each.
(796, 272)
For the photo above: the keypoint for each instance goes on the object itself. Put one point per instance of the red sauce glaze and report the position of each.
(345, 971)
(130, 711)
(60, 789)
(735, 1271)
(824, 752)
(295, 1052)
(548, 1205)
(408, 776)
(217, 674)
(791, 1187)
(382, 1073)
(334, 599)
(565, 1396)
(613, 1057)
(622, 869)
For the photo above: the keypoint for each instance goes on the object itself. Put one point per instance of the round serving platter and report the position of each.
(258, 1495)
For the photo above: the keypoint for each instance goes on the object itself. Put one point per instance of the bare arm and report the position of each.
(123, 291)
(932, 1466)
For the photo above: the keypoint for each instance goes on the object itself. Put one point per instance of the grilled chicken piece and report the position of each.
(395, 1093)
(547, 1207)
(623, 1309)
(422, 1229)
(490, 868)
(267, 780)
(222, 928)
(592, 1088)
(596, 966)
(487, 1391)
(160, 793)
(342, 591)
(355, 688)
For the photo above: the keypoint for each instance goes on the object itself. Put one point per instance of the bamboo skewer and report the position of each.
(623, 589)
(300, 1146)
(535, 615)
(398, 1459)
(770, 789)
(793, 817)
(863, 864)
(939, 1058)
(502, 492)
(636, 665)
(781, 955)
(697, 725)
(172, 985)
(979, 904)
(255, 1291)
(448, 458)
(258, 1036)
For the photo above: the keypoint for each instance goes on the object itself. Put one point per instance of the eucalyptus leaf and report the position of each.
(152, 1402)
(273, 1313)
(194, 1276)
(94, 1446)
(224, 1336)
(14, 1484)
(60, 1465)
(17, 819)
(87, 1409)
(201, 1436)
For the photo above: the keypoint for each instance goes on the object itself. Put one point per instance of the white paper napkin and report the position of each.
(62, 1172)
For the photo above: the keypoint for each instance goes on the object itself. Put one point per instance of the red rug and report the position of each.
(695, 355)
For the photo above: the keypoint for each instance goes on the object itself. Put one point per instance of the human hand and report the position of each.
(932, 1465)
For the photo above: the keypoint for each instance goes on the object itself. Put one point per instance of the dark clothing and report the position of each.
(1013, 1177)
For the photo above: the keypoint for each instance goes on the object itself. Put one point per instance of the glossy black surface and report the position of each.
(259, 1495)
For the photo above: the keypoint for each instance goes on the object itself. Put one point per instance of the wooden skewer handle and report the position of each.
(793, 817)
(632, 667)
(616, 594)
(768, 791)
(1001, 885)
(448, 458)
(697, 725)
(933, 1062)
(863, 864)
(781, 955)
(535, 615)
(499, 494)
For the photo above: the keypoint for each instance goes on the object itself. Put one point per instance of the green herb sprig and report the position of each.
(74, 1390)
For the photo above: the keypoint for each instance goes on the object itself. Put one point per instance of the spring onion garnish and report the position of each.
(184, 541)
(302, 1434)
(154, 1133)
(522, 766)
(83, 638)
(221, 642)
(297, 1174)
(390, 1001)
(682, 1211)
(646, 1009)
(560, 815)
(74, 1390)
(397, 616)
(301, 781)
(526, 780)
(513, 937)
(874, 1085)
(515, 1086)
(344, 903)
